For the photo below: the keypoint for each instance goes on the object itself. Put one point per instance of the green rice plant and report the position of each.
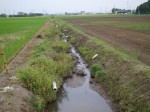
(16, 32)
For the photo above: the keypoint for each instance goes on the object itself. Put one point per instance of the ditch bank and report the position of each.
(125, 79)
(76, 94)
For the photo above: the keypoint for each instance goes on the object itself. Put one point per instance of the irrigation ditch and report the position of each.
(89, 76)
(76, 94)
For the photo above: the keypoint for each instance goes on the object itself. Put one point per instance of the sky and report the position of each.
(62, 6)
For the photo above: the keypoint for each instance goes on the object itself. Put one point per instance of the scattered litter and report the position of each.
(65, 40)
(64, 30)
(7, 89)
(13, 78)
(54, 85)
(94, 56)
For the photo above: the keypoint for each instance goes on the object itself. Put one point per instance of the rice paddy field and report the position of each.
(16, 32)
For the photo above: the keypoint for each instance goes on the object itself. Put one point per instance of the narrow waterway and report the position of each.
(76, 94)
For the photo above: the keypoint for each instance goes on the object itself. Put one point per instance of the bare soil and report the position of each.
(131, 40)
(17, 98)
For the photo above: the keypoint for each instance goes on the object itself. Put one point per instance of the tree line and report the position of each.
(22, 14)
(143, 8)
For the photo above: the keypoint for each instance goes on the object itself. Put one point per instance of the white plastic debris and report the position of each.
(13, 78)
(54, 85)
(7, 89)
(94, 56)
(65, 40)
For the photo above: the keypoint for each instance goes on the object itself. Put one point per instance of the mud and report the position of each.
(77, 95)
(17, 98)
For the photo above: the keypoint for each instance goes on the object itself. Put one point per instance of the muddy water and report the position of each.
(76, 95)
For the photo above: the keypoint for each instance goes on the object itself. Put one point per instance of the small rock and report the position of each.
(80, 72)
(13, 78)
(91, 82)
(7, 89)
(87, 65)
(2, 99)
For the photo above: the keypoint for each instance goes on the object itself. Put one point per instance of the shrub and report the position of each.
(60, 46)
(37, 102)
(94, 69)
(40, 83)
(39, 75)
(101, 76)
(72, 40)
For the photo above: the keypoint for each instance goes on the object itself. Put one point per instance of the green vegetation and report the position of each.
(125, 78)
(144, 8)
(16, 32)
(139, 26)
(50, 62)
(37, 102)
(90, 16)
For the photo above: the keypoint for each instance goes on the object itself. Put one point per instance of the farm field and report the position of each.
(16, 32)
(130, 34)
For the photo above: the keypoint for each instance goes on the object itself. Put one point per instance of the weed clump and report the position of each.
(37, 102)
(98, 73)
(94, 69)
(49, 63)
(60, 46)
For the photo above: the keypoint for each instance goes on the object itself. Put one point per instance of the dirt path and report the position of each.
(14, 97)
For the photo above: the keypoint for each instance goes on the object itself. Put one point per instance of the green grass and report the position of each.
(16, 32)
(124, 78)
(50, 62)
(138, 26)
(131, 22)
(90, 16)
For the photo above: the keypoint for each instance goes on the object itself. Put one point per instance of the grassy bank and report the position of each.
(50, 62)
(125, 79)
(16, 32)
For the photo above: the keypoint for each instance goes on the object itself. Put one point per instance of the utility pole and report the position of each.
(5, 11)
(100, 10)
(127, 5)
(106, 10)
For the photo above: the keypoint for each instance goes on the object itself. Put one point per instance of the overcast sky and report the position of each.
(61, 6)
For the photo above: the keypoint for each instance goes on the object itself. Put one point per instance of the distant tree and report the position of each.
(114, 10)
(21, 13)
(143, 8)
(3, 15)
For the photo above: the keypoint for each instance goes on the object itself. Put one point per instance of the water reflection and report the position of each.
(79, 98)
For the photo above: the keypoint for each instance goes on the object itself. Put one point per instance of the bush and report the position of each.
(72, 40)
(94, 69)
(60, 46)
(101, 76)
(40, 83)
(37, 102)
